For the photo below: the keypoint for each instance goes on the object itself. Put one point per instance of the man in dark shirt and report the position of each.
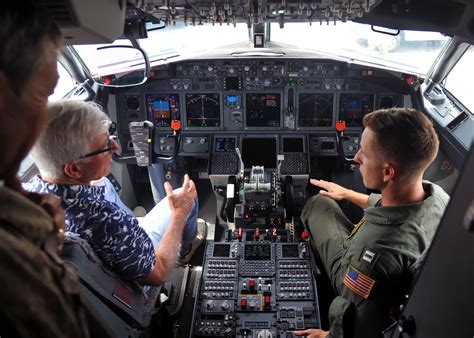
(39, 297)
(369, 264)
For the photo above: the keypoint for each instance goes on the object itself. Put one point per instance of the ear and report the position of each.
(389, 172)
(73, 170)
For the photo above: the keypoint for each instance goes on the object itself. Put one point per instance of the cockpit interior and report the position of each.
(252, 99)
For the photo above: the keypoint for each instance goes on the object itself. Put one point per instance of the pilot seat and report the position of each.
(125, 307)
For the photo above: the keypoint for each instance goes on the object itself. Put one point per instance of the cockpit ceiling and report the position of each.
(257, 11)
(450, 17)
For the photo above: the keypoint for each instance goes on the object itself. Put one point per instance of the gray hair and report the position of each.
(23, 30)
(72, 128)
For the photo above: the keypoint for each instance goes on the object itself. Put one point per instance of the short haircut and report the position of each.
(405, 136)
(72, 128)
(24, 28)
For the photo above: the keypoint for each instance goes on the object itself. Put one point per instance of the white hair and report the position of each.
(72, 128)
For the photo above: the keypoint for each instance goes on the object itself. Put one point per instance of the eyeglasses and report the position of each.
(108, 148)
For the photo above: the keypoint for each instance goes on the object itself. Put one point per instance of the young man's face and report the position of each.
(370, 160)
(24, 116)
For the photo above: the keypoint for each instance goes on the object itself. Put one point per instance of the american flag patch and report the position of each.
(358, 282)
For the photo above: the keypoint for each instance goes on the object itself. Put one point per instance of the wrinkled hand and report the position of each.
(182, 202)
(312, 333)
(331, 190)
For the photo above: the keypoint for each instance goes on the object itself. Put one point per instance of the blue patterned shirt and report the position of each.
(113, 234)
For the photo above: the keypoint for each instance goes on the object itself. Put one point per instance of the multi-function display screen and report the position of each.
(353, 107)
(221, 250)
(224, 144)
(293, 145)
(315, 110)
(263, 109)
(203, 110)
(259, 152)
(161, 109)
(290, 250)
(258, 252)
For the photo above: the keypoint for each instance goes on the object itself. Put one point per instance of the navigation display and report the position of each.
(221, 250)
(290, 250)
(353, 107)
(263, 109)
(203, 110)
(258, 252)
(315, 110)
(161, 109)
(224, 145)
(259, 152)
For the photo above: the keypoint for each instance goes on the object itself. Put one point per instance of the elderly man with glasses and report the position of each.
(74, 156)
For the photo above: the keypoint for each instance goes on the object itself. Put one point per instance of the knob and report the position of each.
(202, 140)
(305, 68)
(225, 305)
(210, 305)
(246, 68)
(175, 86)
(267, 82)
(189, 140)
(264, 68)
(231, 70)
(210, 68)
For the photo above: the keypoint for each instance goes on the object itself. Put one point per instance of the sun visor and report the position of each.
(87, 21)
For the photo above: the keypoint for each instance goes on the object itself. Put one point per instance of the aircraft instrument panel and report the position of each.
(217, 99)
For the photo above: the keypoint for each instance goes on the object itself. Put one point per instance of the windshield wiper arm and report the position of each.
(258, 53)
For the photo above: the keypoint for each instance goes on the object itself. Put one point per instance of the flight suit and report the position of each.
(39, 296)
(368, 264)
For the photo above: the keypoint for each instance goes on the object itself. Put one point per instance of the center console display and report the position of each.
(224, 145)
(161, 109)
(315, 110)
(259, 152)
(203, 110)
(353, 107)
(263, 109)
(257, 252)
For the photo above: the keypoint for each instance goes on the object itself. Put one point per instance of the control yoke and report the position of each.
(340, 127)
(143, 139)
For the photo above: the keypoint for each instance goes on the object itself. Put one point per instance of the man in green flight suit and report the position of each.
(369, 264)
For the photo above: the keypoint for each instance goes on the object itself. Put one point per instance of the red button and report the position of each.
(267, 300)
(240, 232)
(251, 284)
(243, 303)
(304, 235)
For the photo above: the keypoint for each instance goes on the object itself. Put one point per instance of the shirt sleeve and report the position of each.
(370, 280)
(120, 242)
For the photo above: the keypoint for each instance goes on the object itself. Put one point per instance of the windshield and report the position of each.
(409, 51)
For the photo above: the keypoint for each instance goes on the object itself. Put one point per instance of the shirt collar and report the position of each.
(386, 215)
(70, 191)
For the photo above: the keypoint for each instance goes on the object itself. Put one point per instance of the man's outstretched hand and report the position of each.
(181, 203)
(331, 190)
(311, 333)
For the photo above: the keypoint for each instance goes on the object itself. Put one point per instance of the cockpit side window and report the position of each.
(458, 81)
